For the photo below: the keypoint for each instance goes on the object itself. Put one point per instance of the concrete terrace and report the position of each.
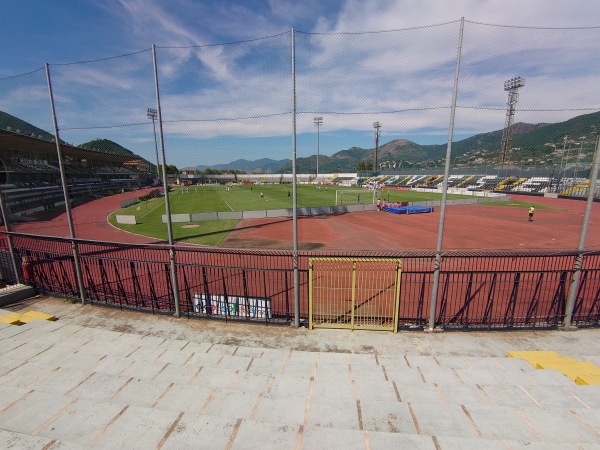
(104, 378)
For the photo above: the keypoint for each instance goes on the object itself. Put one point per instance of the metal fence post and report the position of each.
(8, 236)
(294, 192)
(63, 179)
(172, 259)
(582, 237)
(438, 251)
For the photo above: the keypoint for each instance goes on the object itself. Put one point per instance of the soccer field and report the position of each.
(195, 199)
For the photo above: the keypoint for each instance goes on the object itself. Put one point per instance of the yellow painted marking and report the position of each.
(11, 319)
(588, 378)
(20, 319)
(534, 356)
(580, 372)
(30, 315)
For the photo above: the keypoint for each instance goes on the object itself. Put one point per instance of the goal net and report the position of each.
(354, 197)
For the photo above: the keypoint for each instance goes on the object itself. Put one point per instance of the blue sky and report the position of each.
(226, 102)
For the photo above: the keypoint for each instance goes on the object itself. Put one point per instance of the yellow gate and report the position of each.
(354, 293)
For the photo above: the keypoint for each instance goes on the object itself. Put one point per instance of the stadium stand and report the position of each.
(30, 173)
(456, 180)
(30, 176)
(576, 185)
(534, 185)
(485, 183)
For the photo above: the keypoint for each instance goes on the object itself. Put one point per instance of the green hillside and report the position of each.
(107, 146)
(16, 125)
(533, 143)
(576, 127)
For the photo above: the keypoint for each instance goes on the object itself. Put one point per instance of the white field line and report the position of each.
(160, 203)
(228, 204)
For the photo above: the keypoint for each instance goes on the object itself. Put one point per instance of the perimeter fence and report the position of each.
(119, 123)
(492, 290)
(119, 118)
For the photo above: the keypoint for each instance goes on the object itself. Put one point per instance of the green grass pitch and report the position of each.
(195, 199)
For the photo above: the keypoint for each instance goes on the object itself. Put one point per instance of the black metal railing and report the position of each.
(481, 290)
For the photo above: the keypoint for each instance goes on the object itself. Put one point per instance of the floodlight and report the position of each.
(153, 115)
(318, 122)
(377, 126)
(514, 83)
(512, 86)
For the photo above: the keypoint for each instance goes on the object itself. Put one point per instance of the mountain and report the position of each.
(264, 165)
(107, 146)
(532, 143)
(14, 124)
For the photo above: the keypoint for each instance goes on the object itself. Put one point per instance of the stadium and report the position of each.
(389, 254)
(31, 180)
(304, 241)
(250, 274)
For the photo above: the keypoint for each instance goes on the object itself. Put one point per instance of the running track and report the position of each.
(466, 227)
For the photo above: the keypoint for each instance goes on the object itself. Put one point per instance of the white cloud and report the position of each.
(384, 14)
(356, 77)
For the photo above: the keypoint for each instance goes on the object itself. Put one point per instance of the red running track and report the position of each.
(466, 227)
(90, 221)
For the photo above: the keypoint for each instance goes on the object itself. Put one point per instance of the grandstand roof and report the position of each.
(10, 140)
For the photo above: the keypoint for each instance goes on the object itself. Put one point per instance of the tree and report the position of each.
(362, 166)
(171, 169)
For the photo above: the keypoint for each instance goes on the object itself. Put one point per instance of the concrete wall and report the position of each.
(176, 218)
(126, 219)
(320, 211)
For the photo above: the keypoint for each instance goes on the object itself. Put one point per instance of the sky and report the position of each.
(224, 71)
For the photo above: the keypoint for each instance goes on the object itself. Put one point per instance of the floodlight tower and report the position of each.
(318, 123)
(377, 126)
(512, 87)
(153, 114)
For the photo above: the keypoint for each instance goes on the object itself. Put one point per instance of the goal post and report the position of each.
(355, 196)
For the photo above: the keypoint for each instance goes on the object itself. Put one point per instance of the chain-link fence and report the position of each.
(241, 102)
(276, 125)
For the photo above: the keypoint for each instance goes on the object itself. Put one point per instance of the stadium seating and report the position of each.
(36, 198)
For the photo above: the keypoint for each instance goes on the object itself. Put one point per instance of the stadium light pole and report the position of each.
(153, 114)
(9, 241)
(563, 163)
(377, 126)
(576, 170)
(512, 87)
(318, 122)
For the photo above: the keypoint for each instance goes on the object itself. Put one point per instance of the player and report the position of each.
(531, 211)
